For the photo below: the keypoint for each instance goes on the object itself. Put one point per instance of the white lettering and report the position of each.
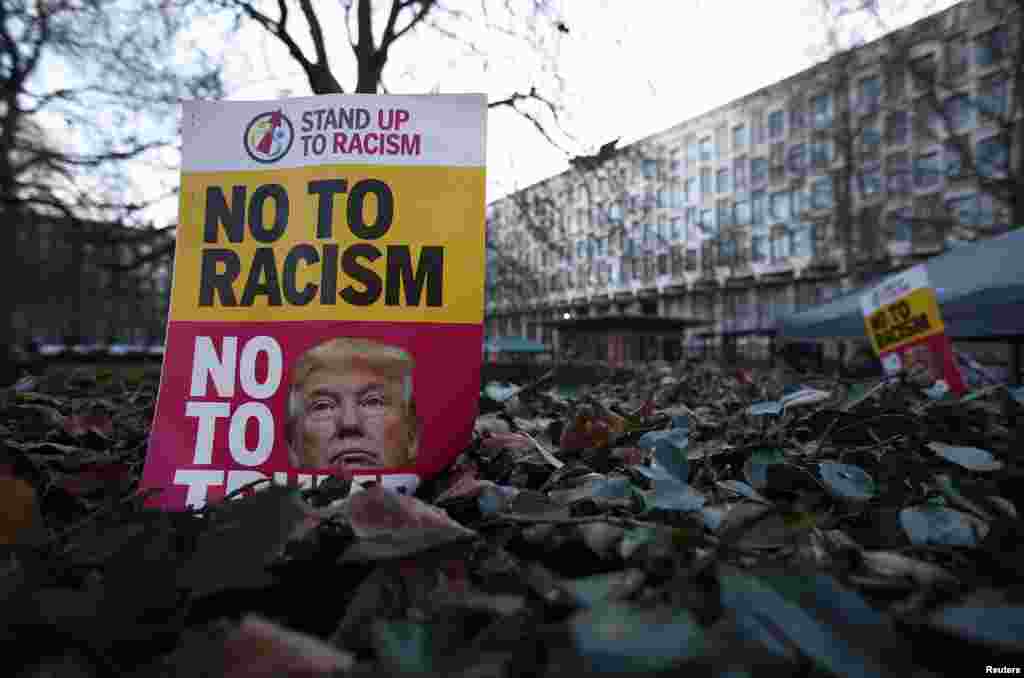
(207, 413)
(265, 439)
(207, 365)
(252, 349)
(198, 482)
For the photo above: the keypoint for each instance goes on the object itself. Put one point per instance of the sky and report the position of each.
(630, 68)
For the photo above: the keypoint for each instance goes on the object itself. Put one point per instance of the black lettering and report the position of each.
(368, 277)
(326, 190)
(259, 196)
(218, 212)
(210, 279)
(262, 278)
(307, 121)
(292, 294)
(385, 209)
(329, 276)
(429, 272)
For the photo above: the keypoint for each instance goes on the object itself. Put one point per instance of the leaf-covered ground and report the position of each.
(693, 521)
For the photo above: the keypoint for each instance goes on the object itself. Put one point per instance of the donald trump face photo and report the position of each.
(350, 406)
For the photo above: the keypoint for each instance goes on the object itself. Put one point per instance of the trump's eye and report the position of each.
(373, 400)
(321, 405)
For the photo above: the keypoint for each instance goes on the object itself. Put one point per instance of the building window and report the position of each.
(800, 199)
(691, 217)
(690, 192)
(897, 127)
(776, 124)
(992, 96)
(797, 117)
(757, 207)
(821, 193)
(797, 160)
(900, 225)
(739, 173)
(692, 153)
(677, 230)
(706, 149)
(993, 157)
(615, 213)
(722, 181)
(898, 173)
(739, 137)
(987, 216)
(780, 206)
(677, 200)
(928, 170)
(724, 213)
(662, 198)
(958, 112)
(758, 171)
(821, 153)
(954, 161)
(707, 223)
(802, 240)
(780, 244)
(870, 94)
(964, 209)
(956, 56)
(742, 213)
(727, 251)
(871, 179)
(990, 47)
(870, 140)
(721, 136)
(821, 109)
(759, 248)
(649, 167)
(705, 181)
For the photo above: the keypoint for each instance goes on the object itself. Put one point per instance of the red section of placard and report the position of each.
(446, 390)
(935, 353)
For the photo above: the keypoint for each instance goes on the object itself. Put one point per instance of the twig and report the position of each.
(548, 456)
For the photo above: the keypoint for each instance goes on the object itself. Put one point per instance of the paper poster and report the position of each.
(906, 329)
(327, 306)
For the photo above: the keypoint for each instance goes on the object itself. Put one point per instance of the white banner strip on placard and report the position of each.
(349, 129)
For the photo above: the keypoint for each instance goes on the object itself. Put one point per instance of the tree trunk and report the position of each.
(9, 297)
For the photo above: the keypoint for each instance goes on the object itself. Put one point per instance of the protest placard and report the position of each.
(906, 329)
(327, 303)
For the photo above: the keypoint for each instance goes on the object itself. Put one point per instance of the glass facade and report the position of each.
(755, 175)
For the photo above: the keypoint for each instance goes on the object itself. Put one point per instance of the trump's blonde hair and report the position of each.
(341, 353)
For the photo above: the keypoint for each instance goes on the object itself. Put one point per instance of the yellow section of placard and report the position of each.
(910, 318)
(380, 243)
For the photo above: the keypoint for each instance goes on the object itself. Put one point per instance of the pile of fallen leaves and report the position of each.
(692, 520)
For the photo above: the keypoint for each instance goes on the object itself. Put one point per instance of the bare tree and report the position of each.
(586, 229)
(82, 89)
(932, 61)
(374, 31)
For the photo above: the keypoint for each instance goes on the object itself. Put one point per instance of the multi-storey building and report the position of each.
(776, 202)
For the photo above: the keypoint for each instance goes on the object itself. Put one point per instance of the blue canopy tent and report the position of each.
(514, 348)
(514, 345)
(980, 289)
